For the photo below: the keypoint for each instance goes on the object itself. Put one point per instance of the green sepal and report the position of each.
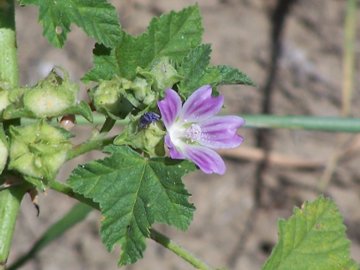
(142, 90)
(37, 182)
(51, 97)
(83, 109)
(38, 150)
(4, 99)
(162, 73)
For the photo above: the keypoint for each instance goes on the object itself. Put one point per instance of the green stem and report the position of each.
(155, 235)
(330, 124)
(10, 200)
(9, 73)
(67, 190)
(108, 125)
(178, 250)
(95, 144)
(315, 123)
(76, 214)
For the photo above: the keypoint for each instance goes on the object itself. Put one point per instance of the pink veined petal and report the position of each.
(174, 153)
(221, 132)
(208, 160)
(169, 107)
(201, 105)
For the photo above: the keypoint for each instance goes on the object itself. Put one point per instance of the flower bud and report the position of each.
(163, 74)
(50, 97)
(108, 97)
(38, 150)
(142, 91)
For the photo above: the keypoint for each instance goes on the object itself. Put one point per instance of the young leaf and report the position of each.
(96, 17)
(133, 193)
(313, 238)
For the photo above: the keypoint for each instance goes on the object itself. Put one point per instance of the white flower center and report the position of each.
(181, 133)
(193, 133)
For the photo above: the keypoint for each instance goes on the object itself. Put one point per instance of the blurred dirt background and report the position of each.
(293, 51)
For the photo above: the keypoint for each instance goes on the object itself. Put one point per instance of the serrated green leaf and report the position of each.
(96, 17)
(133, 193)
(171, 35)
(192, 68)
(133, 52)
(226, 75)
(104, 67)
(176, 33)
(313, 238)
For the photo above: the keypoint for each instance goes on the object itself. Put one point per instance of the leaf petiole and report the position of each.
(154, 235)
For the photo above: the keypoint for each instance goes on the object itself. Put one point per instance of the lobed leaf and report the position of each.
(133, 193)
(197, 72)
(96, 17)
(172, 35)
(192, 68)
(105, 66)
(313, 238)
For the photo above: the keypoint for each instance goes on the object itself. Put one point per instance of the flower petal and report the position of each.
(174, 153)
(208, 160)
(201, 105)
(221, 132)
(169, 107)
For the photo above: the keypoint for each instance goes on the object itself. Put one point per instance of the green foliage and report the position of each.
(197, 72)
(171, 35)
(133, 193)
(193, 68)
(96, 17)
(313, 238)
(105, 66)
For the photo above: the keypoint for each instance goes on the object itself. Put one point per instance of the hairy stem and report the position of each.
(330, 124)
(76, 214)
(155, 235)
(10, 199)
(95, 144)
(318, 123)
(178, 250)
(9, 75)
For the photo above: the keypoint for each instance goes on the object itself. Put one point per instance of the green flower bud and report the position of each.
(108, 97)
(38, 150)
(142, 91)
(51, 97)
(163, 74)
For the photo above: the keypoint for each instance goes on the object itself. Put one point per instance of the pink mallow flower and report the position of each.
(193, 130)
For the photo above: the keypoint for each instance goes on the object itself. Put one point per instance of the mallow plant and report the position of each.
(161, 87)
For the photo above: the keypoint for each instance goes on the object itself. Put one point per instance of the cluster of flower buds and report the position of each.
(38, 150)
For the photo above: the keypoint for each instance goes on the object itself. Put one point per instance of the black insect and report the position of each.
(148, 118)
